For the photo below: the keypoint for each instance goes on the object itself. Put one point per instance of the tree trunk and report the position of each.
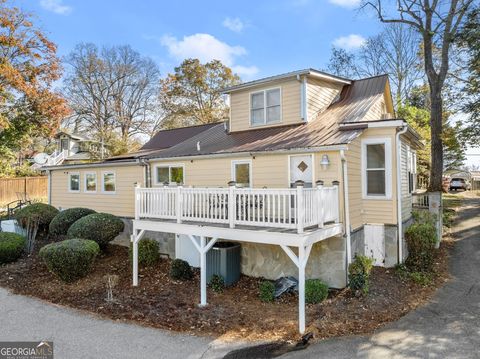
(436, 169)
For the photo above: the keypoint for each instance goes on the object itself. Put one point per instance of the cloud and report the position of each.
(349, 4)
(56, 6)
(234, 24)
(206, 47)
(350, 42)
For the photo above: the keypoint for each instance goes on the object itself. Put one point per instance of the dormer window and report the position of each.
(265, 107)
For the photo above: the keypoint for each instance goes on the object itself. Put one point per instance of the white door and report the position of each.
(375, 243)
(301, 168)
(185, 250)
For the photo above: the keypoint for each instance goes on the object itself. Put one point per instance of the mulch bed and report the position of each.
(161, 302)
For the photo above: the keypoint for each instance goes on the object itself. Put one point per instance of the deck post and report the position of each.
(135, 261)
(231, 203)
(137, 200)
(179, 204)
(300, 206)
(301, 289)
(320, 205)
(203, 272)
(336, 185)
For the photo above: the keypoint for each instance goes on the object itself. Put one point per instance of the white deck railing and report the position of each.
(289, 208)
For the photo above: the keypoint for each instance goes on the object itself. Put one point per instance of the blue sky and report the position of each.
(255, 38)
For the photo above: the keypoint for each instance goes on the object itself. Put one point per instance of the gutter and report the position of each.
(399, 192)
(88, 165)
(347, 210)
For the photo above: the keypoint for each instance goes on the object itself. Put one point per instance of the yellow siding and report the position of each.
(121, 203)
(320, 95)
(290, 100)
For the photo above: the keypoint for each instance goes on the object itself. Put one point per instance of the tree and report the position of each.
(112, 89)
(342, 63)
(191, 95)
(437, 22)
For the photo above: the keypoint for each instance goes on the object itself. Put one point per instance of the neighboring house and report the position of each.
(73, 148)
(322, 171)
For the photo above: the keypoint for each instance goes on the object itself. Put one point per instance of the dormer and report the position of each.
(292, 98)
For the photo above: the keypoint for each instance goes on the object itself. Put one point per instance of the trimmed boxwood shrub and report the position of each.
(217, 283)
(41, 211)
(148, 252)
(12, 246)
(315, 291)
(421, 239)
(359, 273)
(70, 259)
(266, 291)
(62, 221)
(99, 227)
(180, 270)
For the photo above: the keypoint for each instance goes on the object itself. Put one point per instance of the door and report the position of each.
(64, 144)
(301, 168)
(375, 243)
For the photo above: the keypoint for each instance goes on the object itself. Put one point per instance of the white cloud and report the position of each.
(56, 6)
(350, 42)
(349, 4)
(234, 24)
(206, 47)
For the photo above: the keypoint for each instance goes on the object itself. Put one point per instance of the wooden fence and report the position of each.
(35, 187)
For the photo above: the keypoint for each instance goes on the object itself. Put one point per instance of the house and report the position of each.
(309, 169)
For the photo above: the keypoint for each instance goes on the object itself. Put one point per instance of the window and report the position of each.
(90, 182)
(265, 107)
(411, 169)
(169, 174)
(74, 182)
(376, 164)
(242, 173)
(108, 182)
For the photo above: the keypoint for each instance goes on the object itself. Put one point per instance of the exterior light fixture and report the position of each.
(325, 162)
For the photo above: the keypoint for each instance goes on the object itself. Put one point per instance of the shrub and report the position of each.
(41, 212)
(99, 227)
(62, 221)
(315, 291)
(180, 270)
(148, 252)
(423, 279)
(11, 247)
(70, 259)
(421, 239)
(359, 273)
(217, 283)
(266, 291)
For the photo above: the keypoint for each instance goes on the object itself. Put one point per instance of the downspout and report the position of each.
(346, 208)
(399, 192)
(49, 187)
(146, 173)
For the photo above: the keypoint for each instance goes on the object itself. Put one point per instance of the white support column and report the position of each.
(320, 204)
(137, 201)
(179, 204)
(300, 206)
(231, 203)
(135, 238)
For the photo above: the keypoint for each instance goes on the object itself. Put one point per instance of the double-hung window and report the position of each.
(376, 167)
(265, 107)
(74, 182)
(109, 182)
(169, 174)
(90, 182)
(242, 173)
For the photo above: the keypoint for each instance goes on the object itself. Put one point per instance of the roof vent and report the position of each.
(198, 145)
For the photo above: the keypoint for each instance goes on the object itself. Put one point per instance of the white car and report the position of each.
(459, 183)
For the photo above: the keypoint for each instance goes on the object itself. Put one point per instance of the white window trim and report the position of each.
(250, 170)
(265, 123)
(70, 174)
(114, 180)
(387, 142)
(85, 182)
(289, 183)
(169, 165)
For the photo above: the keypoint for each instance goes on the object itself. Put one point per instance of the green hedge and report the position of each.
(41, 211)
(148, 252)
(315, 291)
(359, 273)
(62, 221)
(12, 246)
(99, 227)
(421, 239)
(70, 259)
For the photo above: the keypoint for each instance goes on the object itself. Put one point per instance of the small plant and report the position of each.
(12, 246)
(99, 227)
(42, 212)
(315, 291)
(217, 283)
(180, 270)
(359, 273)
(111, 281)
(148, 252)
(61, 222)
(421, 239)
(70, 259)
(423, 279)
(266, 291)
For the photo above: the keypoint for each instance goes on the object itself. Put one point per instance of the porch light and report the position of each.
(325, 162)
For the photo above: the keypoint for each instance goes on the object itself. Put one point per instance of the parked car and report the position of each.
(459, 183)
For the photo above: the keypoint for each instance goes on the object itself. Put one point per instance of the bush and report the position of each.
(180, 270)
(148, 252)
(62, 221)
(359, 273)
(423, 279)
(421, 239)
(11, 247)
(217, 283)
(315, 291)
(70, 259)
(99, 227)
(266, 291)
(42, 212)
